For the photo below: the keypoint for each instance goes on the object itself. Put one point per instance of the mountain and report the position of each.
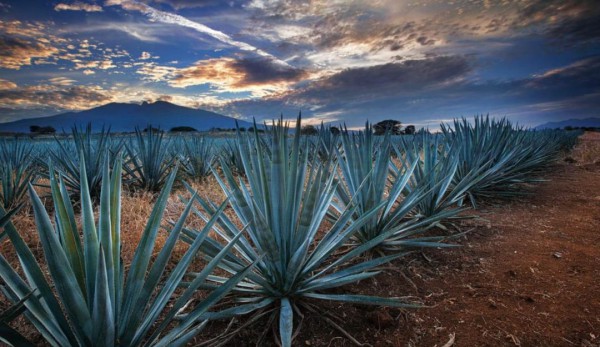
(587, 122)
(126, 117)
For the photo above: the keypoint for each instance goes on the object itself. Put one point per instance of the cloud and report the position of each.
(16, 52)
(360, 93)
(25, 29)
(54, 96)
(170, 18)
(259, 76)
(61, 81)
(106, 64)
(147, 32)
(5, 85)
(570, 22)
(411, 76)
(184, 4)
(145, 56)
(424, 91)
(77, 6)
(155, 73)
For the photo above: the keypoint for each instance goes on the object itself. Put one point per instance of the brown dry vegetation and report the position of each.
(527, 273)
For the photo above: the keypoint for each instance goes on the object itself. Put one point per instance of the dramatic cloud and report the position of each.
(181, 4)
(77, 6)
(50, 96)
(346, 61)
(16, 52)
(170, 18)
(405, 77)
(260, 75)
(571, 21)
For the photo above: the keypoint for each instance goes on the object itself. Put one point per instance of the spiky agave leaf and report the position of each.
(93, 304)
(9, 335)
(498, 155)
(370, 178)
(87, 147)
(283, 206)
(437, 163)
(16, 171)
(198, 156)
(149, 161)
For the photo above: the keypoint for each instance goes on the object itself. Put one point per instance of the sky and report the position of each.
(340, 61)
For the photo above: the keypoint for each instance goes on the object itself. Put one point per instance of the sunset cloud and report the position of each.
(62, 81)
(344, 61)
(5, 85)
(259, 76)
(16, 53)
(77, 6)
(52, 96)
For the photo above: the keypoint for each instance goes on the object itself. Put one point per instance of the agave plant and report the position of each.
(325, 143)
(16, 171)
(86, 147)
(366, 166)
(283, 208)
(149, 162)
(500, 156)
(436, 166)
(230, 156)
(96, 303)
(198, 156)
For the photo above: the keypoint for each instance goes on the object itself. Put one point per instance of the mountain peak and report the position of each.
(580, 123)
(123, 117)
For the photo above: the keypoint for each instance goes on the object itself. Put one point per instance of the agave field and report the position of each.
(302, 217)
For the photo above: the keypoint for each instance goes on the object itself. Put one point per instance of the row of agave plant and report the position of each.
(310, 215)
(149, 159)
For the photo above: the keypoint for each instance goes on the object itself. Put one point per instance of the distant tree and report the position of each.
(252, 129)
(409, 130)
(182, 129)
(335, 130)
(42, 130)
(309, 130)
(242, 129)
(568, 127)
(151, 128)
(391, 125)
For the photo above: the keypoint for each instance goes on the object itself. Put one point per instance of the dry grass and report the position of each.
(588, 151)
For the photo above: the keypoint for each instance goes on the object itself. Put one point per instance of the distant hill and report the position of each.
(587, 122)
(126, 117)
